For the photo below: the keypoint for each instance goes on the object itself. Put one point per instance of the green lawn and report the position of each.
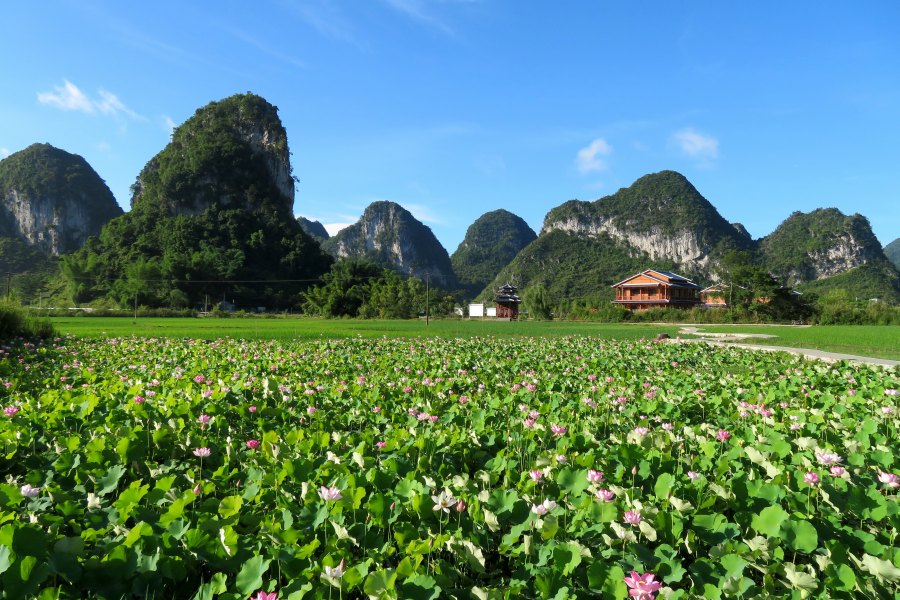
(285, 329)
(878, 341)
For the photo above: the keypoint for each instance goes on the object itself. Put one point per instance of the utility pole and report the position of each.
(135, 305)
(206, 303)
(427, 294)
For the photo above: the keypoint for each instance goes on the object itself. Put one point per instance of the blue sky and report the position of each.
(454, 108)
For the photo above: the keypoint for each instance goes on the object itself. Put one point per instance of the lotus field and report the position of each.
(424, 468)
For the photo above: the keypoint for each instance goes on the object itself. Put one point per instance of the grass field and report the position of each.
(879, 341)
(287, 329)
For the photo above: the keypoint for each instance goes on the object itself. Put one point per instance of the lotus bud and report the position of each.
(460, 506)
(392, 505)
(634, 470)
(197, 488)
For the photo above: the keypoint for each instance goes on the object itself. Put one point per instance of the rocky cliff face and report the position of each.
(52, 200)
(684, 246)
(491, 243)
(823, 243)
(661, 216)
(390, 236)
(215, 205)
(250, 146)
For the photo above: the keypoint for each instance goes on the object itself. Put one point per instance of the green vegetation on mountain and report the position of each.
(892, 251)
(314, 229)
(873, 280)
(664, 202)
(826, 250)
(491, 243)
(213, 206)
(574, 266)
(40, 170)
(391, 237)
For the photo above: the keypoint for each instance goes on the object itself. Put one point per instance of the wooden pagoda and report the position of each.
(507, 303)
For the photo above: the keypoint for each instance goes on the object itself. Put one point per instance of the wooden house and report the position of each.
(654, 288)
(507, 302)
(715, 296)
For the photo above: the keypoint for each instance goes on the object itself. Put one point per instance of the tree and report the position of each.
(537, 300)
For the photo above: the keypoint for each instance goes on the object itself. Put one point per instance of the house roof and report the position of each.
(671, 280)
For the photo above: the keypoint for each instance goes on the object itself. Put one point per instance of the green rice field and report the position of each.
(878, 341)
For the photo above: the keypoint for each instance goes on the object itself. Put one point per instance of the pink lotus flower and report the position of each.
(261, 595)
(461, 506)
(205, 419)
(252, 409)
(463, 399)
(641, 431)
(668, 426)
(536, 475)
(28, 491)
(827, 458)
(693, 475)
(889, 479)
(10, 411)
(202, 452)
(632, 518)
(252, 444)
(722, 435)
(529, 423)
(594, 476)
(376, 409)
(643, 587)
(330, 494)
(811, 478)
(543, 508)
(887, 410)
(381, 445)
(557, 430)
(605, 495)
(887, 392)
(837, 471)
(311, 410)
(412, 412)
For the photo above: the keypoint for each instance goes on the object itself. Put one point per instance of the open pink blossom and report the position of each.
(889, 480)
(529, 423)
(261, 595)
(837, 471)
(10, 411)
(632, 517)
(202, 452)
(536, 475)
(330, 494)
(204, 419)
(827, 458)
(605, 495)
(693, 475)
(252, 444)
(723, 435)
(543, 508)
(811, 478)
(643, 587)
(381, 444)
(594, 476)
(252, 409)
(28, 491)
(311, 410)
(557, 430)
(641, 431)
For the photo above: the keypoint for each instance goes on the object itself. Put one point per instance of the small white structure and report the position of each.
(492, 311)
(476, 310)
(457, 310)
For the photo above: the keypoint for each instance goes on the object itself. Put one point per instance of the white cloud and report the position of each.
(334, 228)
(168, 124)
(4, 152)
(416, 10)
(69, 97)
(696, 144)
(587, 160)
